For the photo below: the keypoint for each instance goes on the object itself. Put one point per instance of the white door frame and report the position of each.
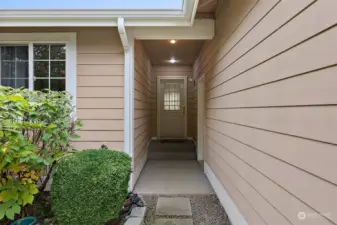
(201, 118)
(159, 78)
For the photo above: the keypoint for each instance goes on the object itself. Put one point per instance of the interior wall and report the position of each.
(143, 102)
(186, 71)
(271, 109)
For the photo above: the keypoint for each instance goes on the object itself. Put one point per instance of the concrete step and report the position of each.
(172, 150)
(165, 155)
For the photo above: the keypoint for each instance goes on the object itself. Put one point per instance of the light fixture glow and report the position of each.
(172, 60)
(173, 41)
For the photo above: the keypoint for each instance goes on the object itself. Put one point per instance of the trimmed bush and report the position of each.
(90, 187)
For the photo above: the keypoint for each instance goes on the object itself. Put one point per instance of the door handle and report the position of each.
(183, 109)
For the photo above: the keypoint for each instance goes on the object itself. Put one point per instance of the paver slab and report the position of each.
(174, 222)
(134, 221)
(173, 206)
(138, 212)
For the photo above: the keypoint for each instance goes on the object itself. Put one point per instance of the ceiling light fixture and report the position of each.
(173, 41)
(172, 60)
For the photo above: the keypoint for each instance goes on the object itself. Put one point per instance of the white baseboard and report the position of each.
(232, 211)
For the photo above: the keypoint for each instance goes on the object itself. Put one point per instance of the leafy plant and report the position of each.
(35, 130)
(90, 187)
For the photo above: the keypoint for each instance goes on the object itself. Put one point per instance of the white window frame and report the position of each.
(69, 39)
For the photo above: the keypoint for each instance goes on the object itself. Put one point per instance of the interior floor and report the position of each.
(172, 169)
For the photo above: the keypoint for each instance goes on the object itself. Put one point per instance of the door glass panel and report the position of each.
(172, 96)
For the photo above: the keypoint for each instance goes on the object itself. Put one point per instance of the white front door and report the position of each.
(172, 108)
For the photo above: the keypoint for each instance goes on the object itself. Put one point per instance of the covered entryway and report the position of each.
(166, 119)
(172, 169)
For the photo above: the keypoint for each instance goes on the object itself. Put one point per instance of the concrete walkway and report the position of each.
(173, 177)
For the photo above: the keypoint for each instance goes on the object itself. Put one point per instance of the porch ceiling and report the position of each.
(184, 51)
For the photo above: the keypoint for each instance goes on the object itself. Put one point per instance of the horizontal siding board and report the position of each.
(103, 70)
(284, 175)
(286, 204)
(100, 103)
(141, 129)
(260, 10)
(312, 58)
(142, 113)
(100, 114)
(96, 145)
(284, 11)
(270, 106)
(100, 70)
(100, 59)
(282, 147)
(243, 205)
(308, 122)
(306, 21)
(101, 125)
(100, 81)
(101, 135)
(230, 17)
(139, 113)
(100, 92)
(260, 204)
(142, 146)
(98, 41)
(309, 89)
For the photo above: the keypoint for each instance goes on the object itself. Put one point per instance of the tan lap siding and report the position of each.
(100, 81)
(271, 109)
(143, 102)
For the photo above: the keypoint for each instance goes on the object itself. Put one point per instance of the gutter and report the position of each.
(122, 33)
(127, 40)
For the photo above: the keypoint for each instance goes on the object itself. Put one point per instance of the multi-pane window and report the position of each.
(48, 62)
(172, 97)
(49, 67)
(14, 66)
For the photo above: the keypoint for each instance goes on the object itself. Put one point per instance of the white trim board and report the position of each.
(201, 117)
(100, 17)
(232, 211)
(202, 29)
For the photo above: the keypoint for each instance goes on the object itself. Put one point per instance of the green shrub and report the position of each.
(35, 131)
(89, 187)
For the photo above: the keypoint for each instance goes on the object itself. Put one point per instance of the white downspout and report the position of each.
(128, 45)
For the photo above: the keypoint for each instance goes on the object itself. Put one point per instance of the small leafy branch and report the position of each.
(35, 131)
